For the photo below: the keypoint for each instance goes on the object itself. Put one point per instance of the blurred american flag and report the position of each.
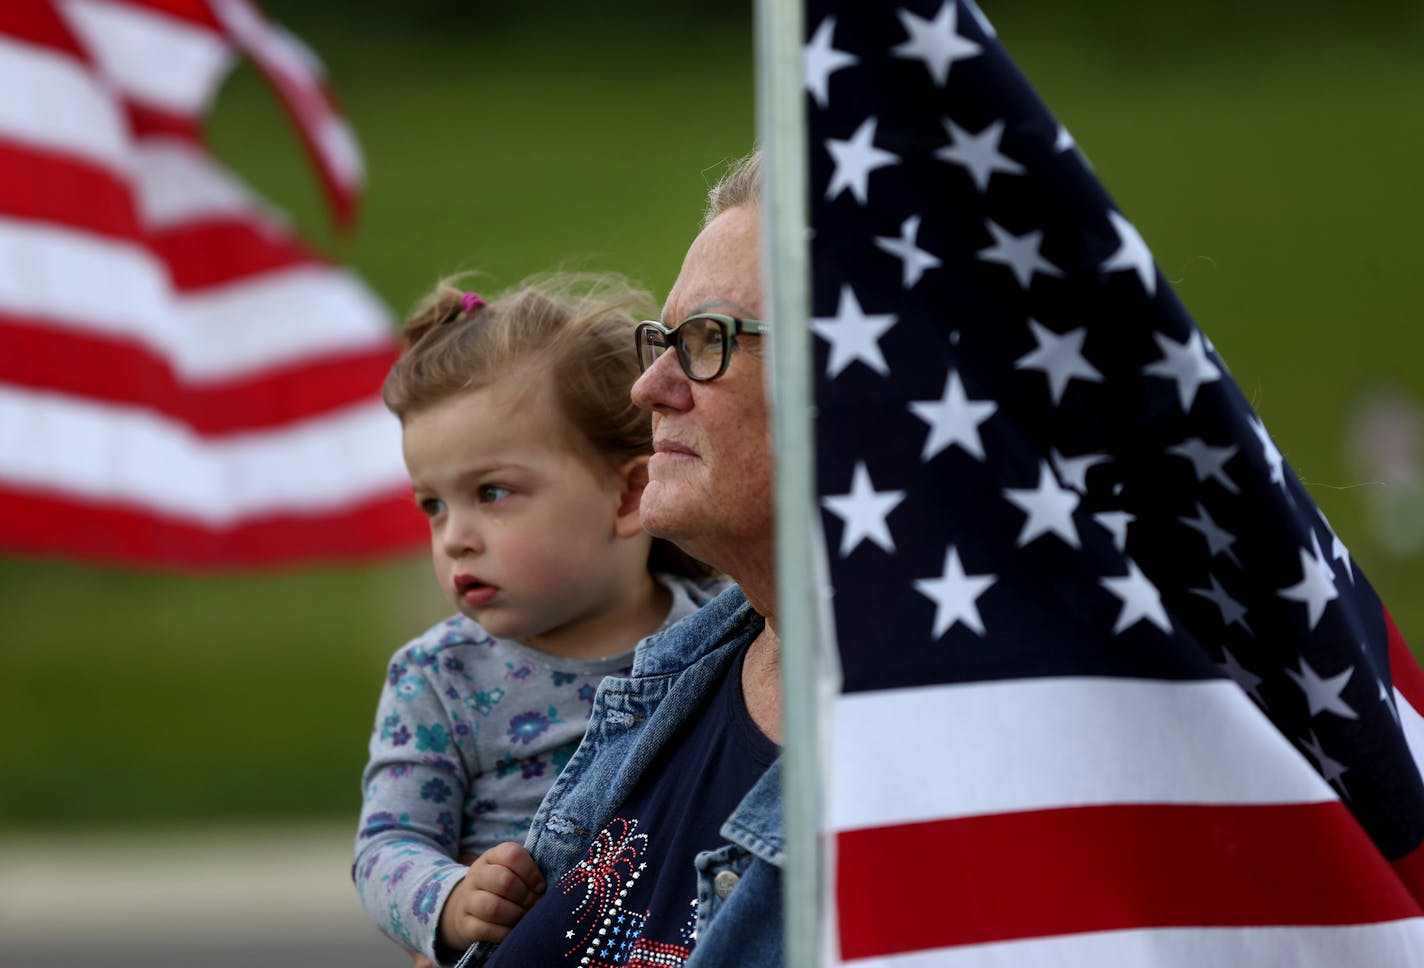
(183, 382)
(1114, 691)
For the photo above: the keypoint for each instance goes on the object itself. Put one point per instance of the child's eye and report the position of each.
(489, 493)
(431, 507)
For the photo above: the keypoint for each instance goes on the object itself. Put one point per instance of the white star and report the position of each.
(1338, 551)
(1323, 695)
(853, 335)
(978, 153)
(855, 159)
(1207, 461)
(1074, 470)
(1269, 450)
(1186, 363)
(936, 42)
(1115, 523)
(1244, 677)
(953, 419)
(914, 260)
(821, 60)
(1331, 770)
(863, 512)
(1049, 507)
(1140, 600)
(1019, 253)
(1060, 358)
(1388, 700)
(1316, 588)
(1232, 611)
(1063, 141)
(954, 594)
(1218, 539)
(1132, 253)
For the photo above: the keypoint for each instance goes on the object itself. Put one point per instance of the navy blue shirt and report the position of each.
(632, 900)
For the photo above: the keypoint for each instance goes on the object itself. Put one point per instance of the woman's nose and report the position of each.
(663, 386)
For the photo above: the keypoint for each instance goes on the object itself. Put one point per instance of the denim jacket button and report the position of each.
(724, 884)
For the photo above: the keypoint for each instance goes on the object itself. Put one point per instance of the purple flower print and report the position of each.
(562, 678)
(586, 692)
(520, 672)
(409, 687)
(401, 736)
(399, 873)
(527, 727)
(395, 672)
(435, 790)
(377, 822)
(453, 664)
(424, 905)
(481, 807)
(531, 768)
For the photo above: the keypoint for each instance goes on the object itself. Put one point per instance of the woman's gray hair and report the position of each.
(739, 185)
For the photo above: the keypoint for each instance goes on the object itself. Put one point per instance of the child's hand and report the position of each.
(503, 883)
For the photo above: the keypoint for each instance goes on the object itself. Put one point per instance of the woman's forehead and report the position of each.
(722, 271)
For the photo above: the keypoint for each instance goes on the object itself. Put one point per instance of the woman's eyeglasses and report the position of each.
(703, 341)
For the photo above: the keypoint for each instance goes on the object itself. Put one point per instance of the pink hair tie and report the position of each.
(471, 301)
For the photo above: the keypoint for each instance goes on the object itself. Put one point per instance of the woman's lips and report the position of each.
(474, 592)
(671, 448)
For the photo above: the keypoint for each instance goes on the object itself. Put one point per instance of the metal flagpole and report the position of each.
(781, 127)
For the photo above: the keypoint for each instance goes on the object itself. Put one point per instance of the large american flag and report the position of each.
(183, 382)
(1114, 691)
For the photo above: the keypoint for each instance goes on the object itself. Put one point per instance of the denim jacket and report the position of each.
(738, 913)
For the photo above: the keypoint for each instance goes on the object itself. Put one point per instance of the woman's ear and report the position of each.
(633, 477)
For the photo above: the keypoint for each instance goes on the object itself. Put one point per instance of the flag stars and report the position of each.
(1115, 524)
(1331, 770)
(913, 260)
(1322, 694)
(1316, 588)
(1018, 252)
(1270, 452)
(978, 154)
(863, 512)
(953, 419)
(1073, 471)
(854, 336)
(1186, 363)
(1060, 358)
(1232, 611)
(1338, 551)
(855, 159)
(1132, 253)
(1218, 539)
(1049, 507)
(1245, 678)
(955, 594)
(936, 42)
(1141, 601)
(1208, 462)
(822, 60)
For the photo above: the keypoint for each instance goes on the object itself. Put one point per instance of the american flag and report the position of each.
(1114, 691)
(183, 382)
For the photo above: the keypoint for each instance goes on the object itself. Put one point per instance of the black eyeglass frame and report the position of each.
(651, 333)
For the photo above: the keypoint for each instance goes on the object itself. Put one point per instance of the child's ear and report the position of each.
(633, 477)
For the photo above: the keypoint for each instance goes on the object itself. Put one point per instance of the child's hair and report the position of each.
(577, 329)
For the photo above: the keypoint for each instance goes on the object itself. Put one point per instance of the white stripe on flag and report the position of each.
(177, 182)
(65, 445)
(51, 101)
(1028, 744)
(1392, 944)
(157, 60)
(85, 283)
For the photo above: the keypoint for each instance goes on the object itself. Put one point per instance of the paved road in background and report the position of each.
(258, 898)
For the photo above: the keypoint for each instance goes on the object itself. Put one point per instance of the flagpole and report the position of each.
(781, 128)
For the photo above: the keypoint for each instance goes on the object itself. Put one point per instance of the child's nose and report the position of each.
(460, 536)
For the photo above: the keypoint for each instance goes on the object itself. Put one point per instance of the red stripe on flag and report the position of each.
(53, 187)
(217, 251)
(100, 368)
(147, 121)
(1410, 869)
(41, 24)
(1404, 671)
(1050, 872)
(45, 524)
(196, 12)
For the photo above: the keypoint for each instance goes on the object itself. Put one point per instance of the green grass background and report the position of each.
(1268, 153)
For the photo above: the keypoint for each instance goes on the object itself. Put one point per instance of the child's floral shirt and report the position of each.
(470, 733)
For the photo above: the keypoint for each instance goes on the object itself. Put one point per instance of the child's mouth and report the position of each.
(474, 592)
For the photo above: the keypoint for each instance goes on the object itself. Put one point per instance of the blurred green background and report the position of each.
(1267, 151)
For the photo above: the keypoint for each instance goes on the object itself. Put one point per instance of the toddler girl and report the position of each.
(528, 459)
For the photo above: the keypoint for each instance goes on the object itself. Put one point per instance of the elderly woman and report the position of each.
(662, 839)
